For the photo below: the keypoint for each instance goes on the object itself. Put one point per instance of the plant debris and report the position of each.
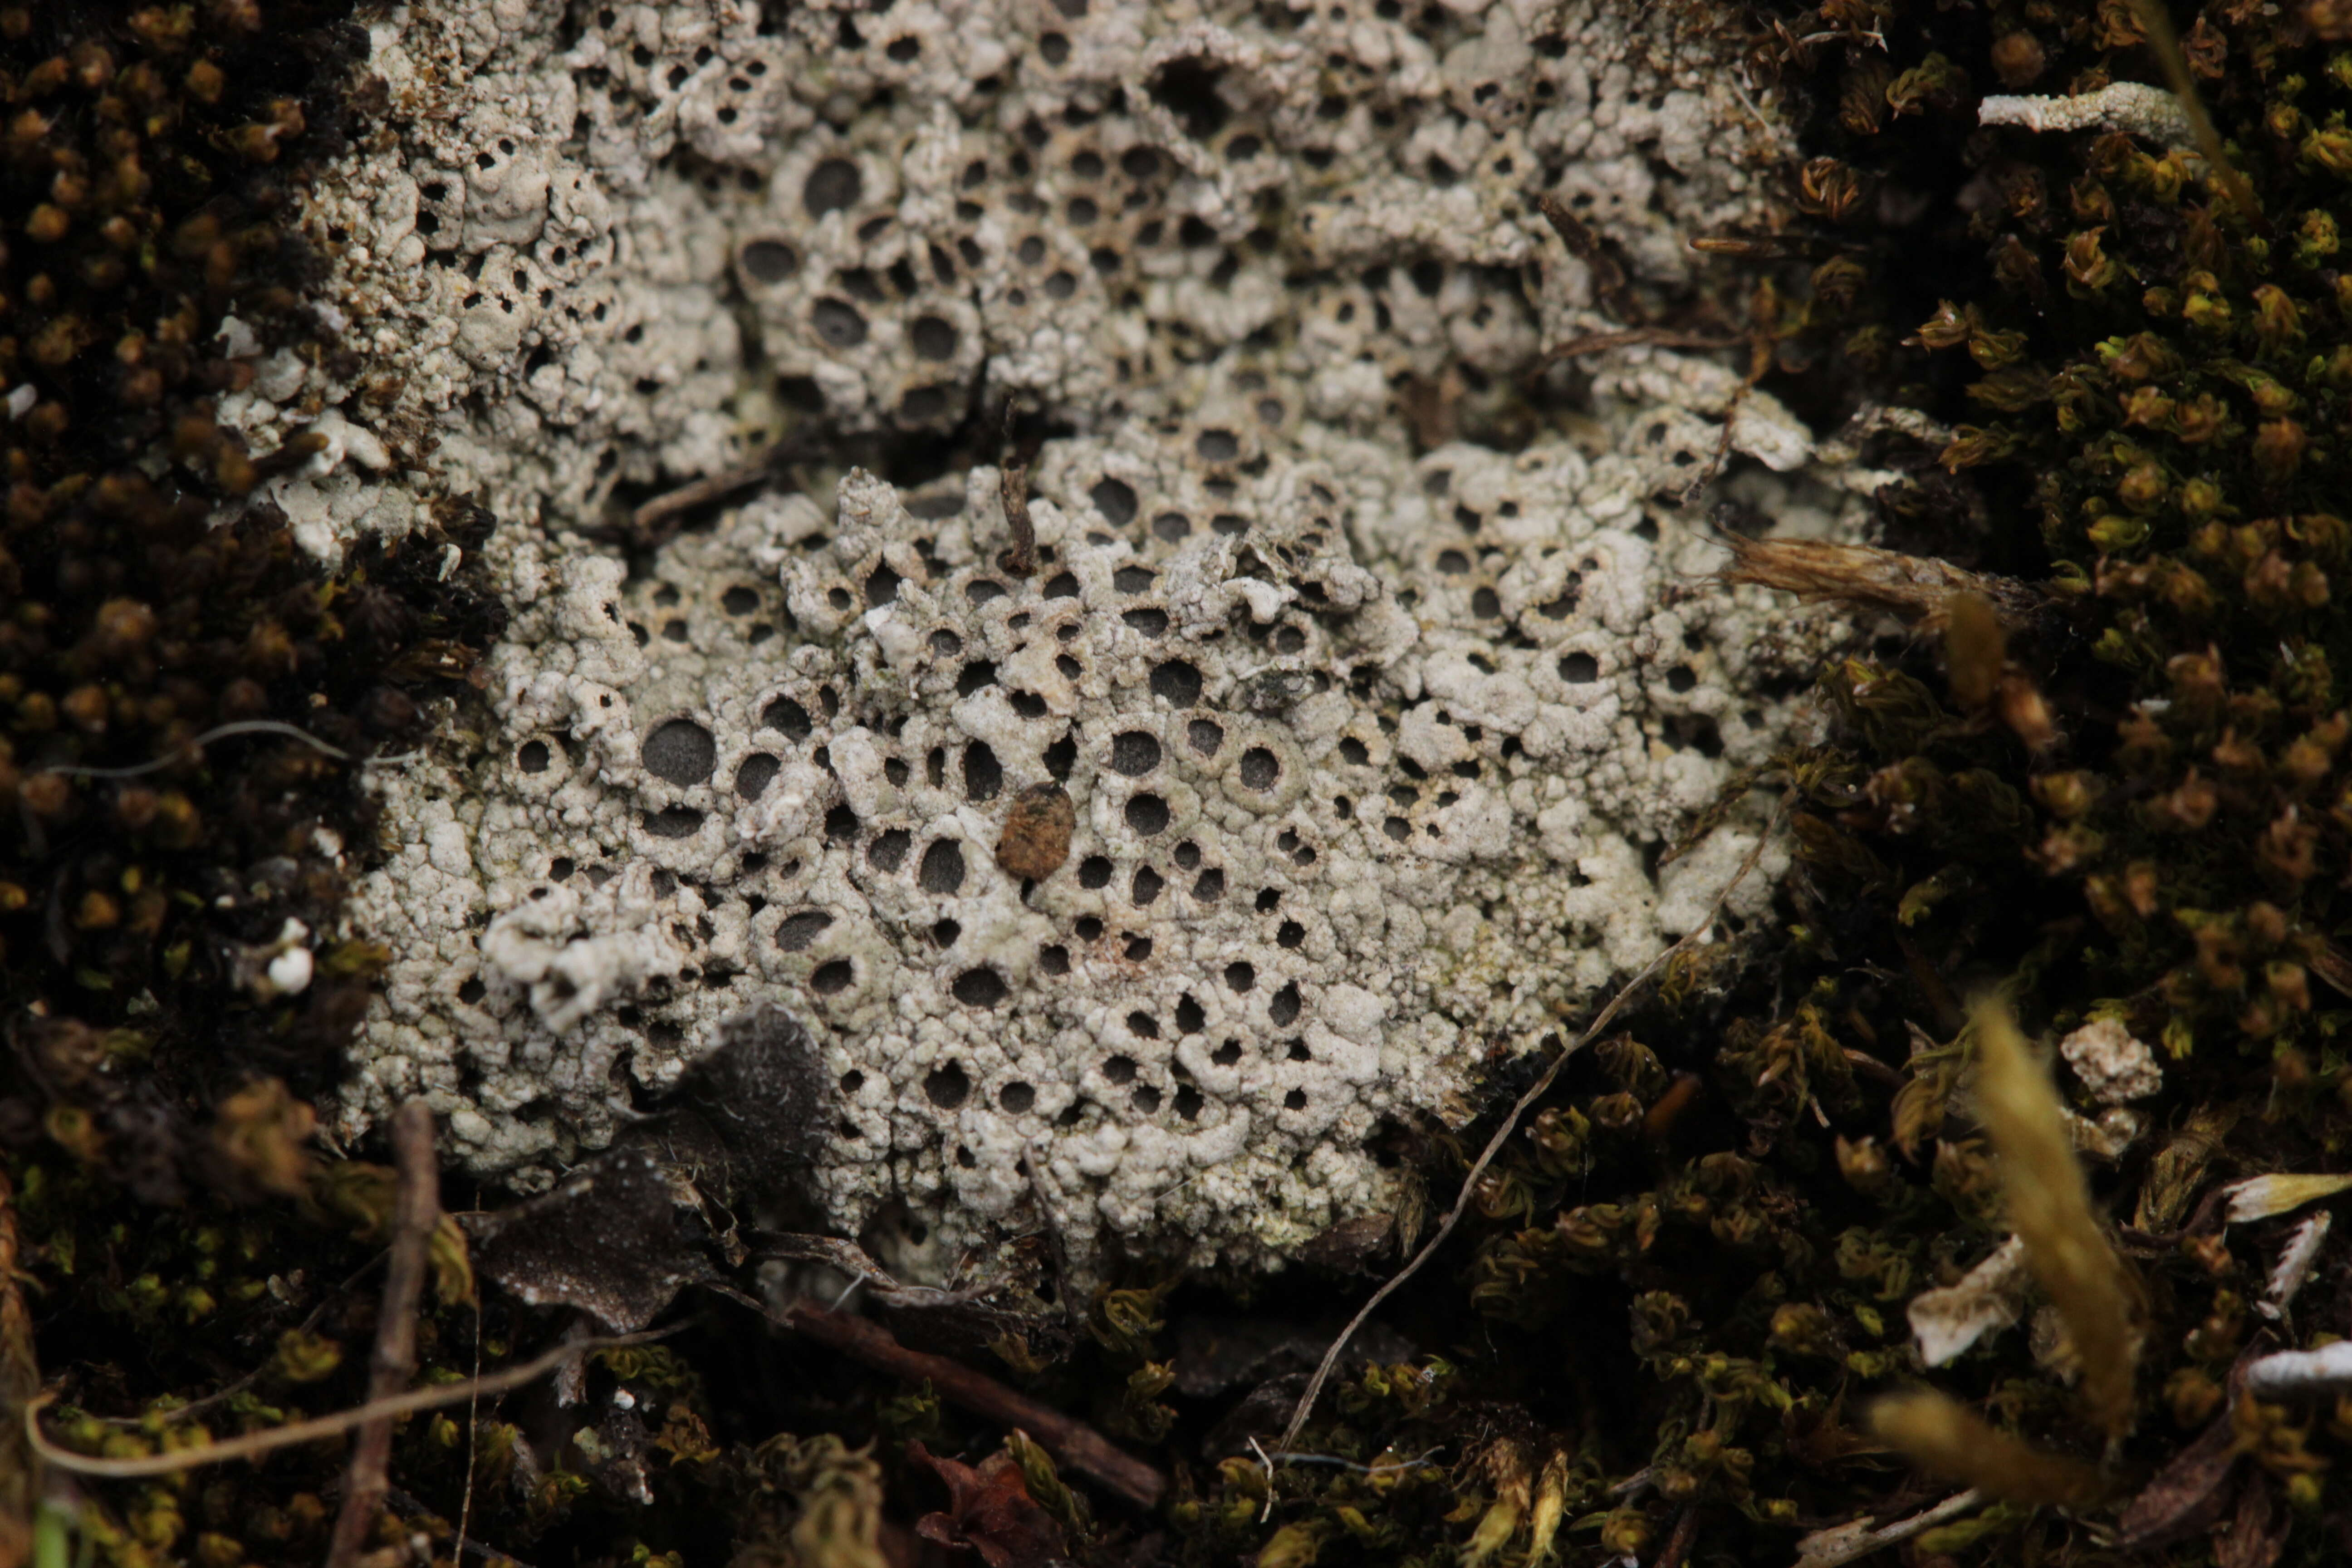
(2068, 273)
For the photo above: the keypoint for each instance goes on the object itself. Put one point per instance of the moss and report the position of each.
(1655, 1331)
(147, 169)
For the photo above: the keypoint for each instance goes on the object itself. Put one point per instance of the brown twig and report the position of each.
(1072, 1442)
(1519, 1108)
(1679, 1539)
(416, 1210)
(269, 1439)
(20, 1379)
(473, 1420)
(652, 520)
(1917, 589)
(1638, 337)
(1012, 485)
(1610, 284)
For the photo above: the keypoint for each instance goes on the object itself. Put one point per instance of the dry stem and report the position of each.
(20, 1379)
(1072, 1442)
(1942, 1436)
(1915, 588)
(653, 521)
(417, 1209)
(269, 1439)
(1013, 487)
(1535, 1091)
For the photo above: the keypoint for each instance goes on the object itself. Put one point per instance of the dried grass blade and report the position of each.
(2050, 1208)
(1941, 1434)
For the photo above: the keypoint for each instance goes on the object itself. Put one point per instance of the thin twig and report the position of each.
(473, 1418)
(235, 1387)
(462, 1544)
(1642, 337)
(253, 1445)
(20, 1379)
(416, 1210)
(1843, 1543)
(218, 732)
(1069, 1440)
(1259, 1450)
(649, 518)
(1393, 1467)
(1679, 1539)
(1012, 486)
(1535, 1091)
(2165, 46)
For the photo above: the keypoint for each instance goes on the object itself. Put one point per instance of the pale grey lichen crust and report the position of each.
(1367, 755)
(1375, 734)
(589, 244)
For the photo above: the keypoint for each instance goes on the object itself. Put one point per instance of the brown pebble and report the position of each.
(1036, 837)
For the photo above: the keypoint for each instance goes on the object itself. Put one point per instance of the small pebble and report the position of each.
(1036, 839)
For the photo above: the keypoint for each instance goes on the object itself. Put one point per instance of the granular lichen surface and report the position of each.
(1340, 830)
(2097, 372)
(1375, 734)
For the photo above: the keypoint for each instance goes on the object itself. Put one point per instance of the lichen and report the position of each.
(1362, 756)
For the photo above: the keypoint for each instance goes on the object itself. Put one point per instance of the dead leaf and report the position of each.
(624, 1231)
(1947, 1321)
(261, 1131)
(2260, 1197)
(989, 1512)
(1350, 1245)
(2251, 1541)
(2189, 1494)
(606, 1240)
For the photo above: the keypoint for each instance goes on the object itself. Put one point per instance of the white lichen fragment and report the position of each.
(564, 219)
(2133, 108)
(2302, 1375)
(1946, 1321)
(2114, 1065)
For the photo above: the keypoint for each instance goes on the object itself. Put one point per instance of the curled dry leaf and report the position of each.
(1947, 1321)
(2294, 1266)
(2260, 1197)
(2175, 1169)
(2189, 1494)
(989, 1512)
(2253, 1540)
(1917, 588)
